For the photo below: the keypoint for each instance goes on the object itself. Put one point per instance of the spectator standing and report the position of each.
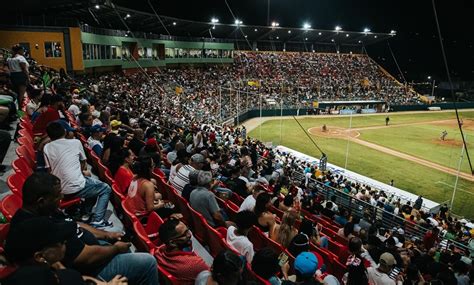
(19, 73)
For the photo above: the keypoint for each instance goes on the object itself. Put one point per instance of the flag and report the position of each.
(255, 83)
(46, 79)
(178, 90)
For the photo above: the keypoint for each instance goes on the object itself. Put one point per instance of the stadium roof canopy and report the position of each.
(110, 16)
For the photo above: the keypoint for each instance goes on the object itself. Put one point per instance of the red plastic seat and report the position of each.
(182, 204)
(152, 226)
(199, 225)
(117, 193)
(15, 183)
(66, 203)
(143, 243)
(26, 134)
(215, 240)
(9, 205)
(338, 269)
(231, 209)
(260, 240)
(129, 215)
(23, 151)
(21, 166)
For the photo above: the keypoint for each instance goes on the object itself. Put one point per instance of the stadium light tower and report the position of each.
(366, 30)
(238, 22)
(275, 24)
(306, 26)
(214, 20)
(338, 28)
(393, 32)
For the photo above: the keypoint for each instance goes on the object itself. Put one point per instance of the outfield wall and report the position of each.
(255, 113)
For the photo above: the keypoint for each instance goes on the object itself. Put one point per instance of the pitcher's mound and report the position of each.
(333, 132)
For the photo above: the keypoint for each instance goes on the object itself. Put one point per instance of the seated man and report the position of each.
(95, 140)
(176, 255)
(84, 252)
(237, 236)
(56, 105)
(204, 201)
(66, 159)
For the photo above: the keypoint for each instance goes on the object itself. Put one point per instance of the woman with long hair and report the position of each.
(356, 271)
(120, 166)
(286, 231)
(265, 219)
(142, 196)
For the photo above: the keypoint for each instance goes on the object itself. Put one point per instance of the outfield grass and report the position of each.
(415, 178)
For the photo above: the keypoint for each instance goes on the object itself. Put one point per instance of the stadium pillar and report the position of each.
(348, 140)
(457, 176)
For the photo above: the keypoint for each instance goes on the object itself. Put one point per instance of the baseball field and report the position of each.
(409, 150)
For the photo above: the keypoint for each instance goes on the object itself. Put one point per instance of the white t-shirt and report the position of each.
(240, 243)
(248, 204)
(74, 110)
(63, 157)
(14, 63)
(182, 177)
(378, 278)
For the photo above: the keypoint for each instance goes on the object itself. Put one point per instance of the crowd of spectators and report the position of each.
(136, 129)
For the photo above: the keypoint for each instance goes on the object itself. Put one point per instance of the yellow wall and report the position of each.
(10, 38)
(76, 49)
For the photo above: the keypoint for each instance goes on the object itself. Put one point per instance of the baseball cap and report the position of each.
(35, 234)
(387, 259)
(65, 125)
(151, 142)
(115, 123)
(306, 263)
(97, 128)
(199, 158)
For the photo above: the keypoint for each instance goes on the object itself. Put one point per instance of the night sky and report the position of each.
(416, 46)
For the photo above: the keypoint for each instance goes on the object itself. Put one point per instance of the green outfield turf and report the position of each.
(418, 140)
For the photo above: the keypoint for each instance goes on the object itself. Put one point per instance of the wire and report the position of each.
(306, 133)
(451, 84)
(159, 18)
(396, 63)
(238, 25)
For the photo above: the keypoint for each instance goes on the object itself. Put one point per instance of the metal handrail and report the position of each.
(358, 208)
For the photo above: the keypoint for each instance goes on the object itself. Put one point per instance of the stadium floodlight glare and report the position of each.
(214, 20)
(275, 24)
(338, 28)
(289, 32)
(97, 6)
(320, 33)
(332, 40)
(305, 39)
(174, 23)
(256, 30)
(245, 36)
(347, 35)
(366, 30)
(360, 42)
(393, 32)
(277, 38)
(375, 36)
(127, 16)
(306, 26)
(429, 77)
(238, 22)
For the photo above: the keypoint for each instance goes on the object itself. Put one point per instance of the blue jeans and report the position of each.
(99, 191)
(140, 268)
(324, 242)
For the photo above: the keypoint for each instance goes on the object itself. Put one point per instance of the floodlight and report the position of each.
(338, 28)
(366, 30)
(214, 20)
(306, 26)
(97, 6)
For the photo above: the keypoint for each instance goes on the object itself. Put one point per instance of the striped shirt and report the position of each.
(182, 177)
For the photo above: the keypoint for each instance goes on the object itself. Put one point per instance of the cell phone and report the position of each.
(282, 259)
(394, 273)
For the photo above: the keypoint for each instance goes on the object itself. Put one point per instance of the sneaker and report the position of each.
(101, 224)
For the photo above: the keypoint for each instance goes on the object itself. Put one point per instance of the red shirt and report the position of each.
(122, 178)
(51, 115)
(185, 266)
(429, 240)
(136, 197)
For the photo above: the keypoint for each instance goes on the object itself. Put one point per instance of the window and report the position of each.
(53, 49)
(169, 53)
(116, 52)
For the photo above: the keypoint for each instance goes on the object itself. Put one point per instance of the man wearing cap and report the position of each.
(65, 158)
(204, 201)
(305, 265)
(95, 140)
(83, 251)
(182, 176)
(115, 125)
(56, 105)
(380, 274)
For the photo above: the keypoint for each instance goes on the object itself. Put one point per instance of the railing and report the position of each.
(358, 208)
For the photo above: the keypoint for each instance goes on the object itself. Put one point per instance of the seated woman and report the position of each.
(347, 231)
(308, 228)
(120, 166)
(265, 219)
(141, 192)
(286, 231)
(227, 269)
